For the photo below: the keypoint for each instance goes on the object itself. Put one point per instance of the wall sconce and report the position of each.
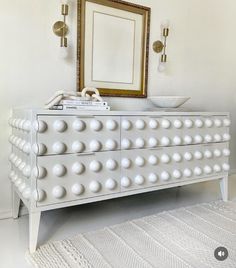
(60, 28)
(160, 46)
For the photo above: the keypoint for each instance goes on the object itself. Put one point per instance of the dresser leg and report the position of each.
(15, 204)
(34, 220)
(224, 188)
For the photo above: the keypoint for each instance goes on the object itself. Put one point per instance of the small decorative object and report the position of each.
(168, 101)
(60, 28)
(64, 100)
(113, 47)
(160, 46)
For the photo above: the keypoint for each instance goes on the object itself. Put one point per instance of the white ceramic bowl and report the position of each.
(168, 101)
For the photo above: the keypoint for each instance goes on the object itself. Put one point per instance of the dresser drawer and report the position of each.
(72, 177)
(147, 168)
(76, 134)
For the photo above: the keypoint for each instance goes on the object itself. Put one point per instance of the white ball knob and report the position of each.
(226, 167)
(22, 144)
(165, 123)
(39, 195)
(111, 144)
(188, 123)
(78, 168)
(208, 154)
(39, 148)
(207, 169)
(139, 142)
(153, 160)
(111, 124)
(59, 170)
(226, 137)
(27, 125)
(14, 178)
(177, 174)
(22, 166)
(153, 178)
(77, 189)
(208, 138)
(165, 141)
(177, 157)
(153, 142)
(165, 158)
(110, 184)
(22, 187)
(153, 124)
(217, 137)
(27, 193)
(188, 139)
(198, 155)
(95, 125)
(77, 147)
(140, 161)
(126, 124)
(59, 147)
(140, 124)
(198, 123)
(226, 122)
(217, 153)
(126, 163)
(178, 124)
(60, 125)
(126, 144)
(18, 162)
(95, 166)
(79, 125)
(226, 152)
(208, 123)
(27, 148)
(177, 140)
(165, 176)
(125, 182)
(188, 156)
(58, 191)
(18, 182)
(198, 139)
(27, 171)
(95, 146)
(139, 179)
(187, 172)
(197, 171)
(94, 186)
(11, 175)
(218, 123)
(39, 172)
(40, 126)
(217, 168)
(111, 164)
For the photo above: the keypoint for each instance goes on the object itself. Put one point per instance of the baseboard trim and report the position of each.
(8, 213)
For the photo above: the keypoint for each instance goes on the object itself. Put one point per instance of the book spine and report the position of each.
(83, 103)
(87, 108)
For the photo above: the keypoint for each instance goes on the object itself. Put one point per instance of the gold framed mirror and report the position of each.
(113, 46)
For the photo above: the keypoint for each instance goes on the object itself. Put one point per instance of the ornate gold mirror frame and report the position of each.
(113, 46)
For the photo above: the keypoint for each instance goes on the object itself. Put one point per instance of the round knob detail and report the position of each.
(165, 123)
(217, 137)
(218, 123)
(58, 191)
(139, 179)
(59, 170)
(217, 153)
(226, 137)
(178, 124)
(177, 174)
(198, 155)
(126, 144)
(208, 123)
(153, 160)
(165, 176)
(165, 158)
(126, 124)
(39, 148)
(227, 122)
(111, 184)
(177, 157)
(59, 147)
(111, 144)
(187, 172)
(77, 189)
(165, 141)
(217, 168)
(27, 193)
(140, 124)
(78, 168)
(140, 142)
(207, 169)
(126, 163)
(153, 142)
(60, 125)
(177, 140)
(188, 156)
(79, 125)
(125, 182)
(198, 139)
(188, 123)
(39, 172)
(95, 146)
(77, 147)
(197, 171)
(153, 124)
(111, 164)
(95, 166)
(208, 154)
(226, 167)
(153, 178)
(188, 139)
(39, 195)
(198, 123)
(27, 171)
(140, 161)
(208, 138)
(226, 152)
(40, 126)
(94, 186)
(111, 124)
(95, 125)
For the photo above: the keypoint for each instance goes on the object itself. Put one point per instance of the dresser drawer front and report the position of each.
(147, 168)
(150, 132)
(73, 177)
(77, 134)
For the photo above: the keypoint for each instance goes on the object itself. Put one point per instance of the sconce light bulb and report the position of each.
(165, 24)
(63, 52)
(162, 67)
(64, 2)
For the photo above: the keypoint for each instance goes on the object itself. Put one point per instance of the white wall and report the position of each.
(201, 50)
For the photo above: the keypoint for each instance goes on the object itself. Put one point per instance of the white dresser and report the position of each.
(62, 159)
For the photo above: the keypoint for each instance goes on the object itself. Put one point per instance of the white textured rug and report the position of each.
(185, 237)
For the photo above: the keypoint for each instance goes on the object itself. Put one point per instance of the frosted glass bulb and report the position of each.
(162, 67)
(165, 23)
(77, 189)
(63, 52)
(125, 182)
(152, 178)
(139, 179)
(110, 184)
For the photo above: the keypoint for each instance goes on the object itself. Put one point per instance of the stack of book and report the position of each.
(85, 105)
